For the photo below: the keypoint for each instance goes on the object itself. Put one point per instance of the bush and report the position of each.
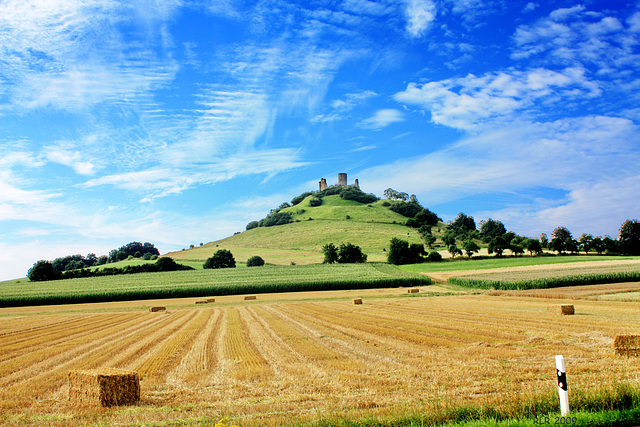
(147, 256)
(255, 261)
(300, 198)
(434, 256)
(252, 224)
(41, 271)
(223, 258)
(355, 194)
(408, 209)
(315, 201)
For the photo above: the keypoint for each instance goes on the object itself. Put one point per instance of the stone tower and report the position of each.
(342, 179)
(356, 184)
(322, 184)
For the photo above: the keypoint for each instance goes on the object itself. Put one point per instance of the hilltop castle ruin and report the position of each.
(342, 180)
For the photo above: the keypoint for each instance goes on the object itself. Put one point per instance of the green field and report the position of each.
(370, 226)
(207, 283)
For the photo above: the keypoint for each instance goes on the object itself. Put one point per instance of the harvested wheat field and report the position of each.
(275, 362)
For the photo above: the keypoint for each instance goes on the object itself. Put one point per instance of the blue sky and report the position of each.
(178, 122)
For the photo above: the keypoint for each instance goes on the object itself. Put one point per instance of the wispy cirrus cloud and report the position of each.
(159, 182)
(382, 118)
(71, 55)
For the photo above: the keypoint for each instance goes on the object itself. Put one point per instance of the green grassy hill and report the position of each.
(370, 226)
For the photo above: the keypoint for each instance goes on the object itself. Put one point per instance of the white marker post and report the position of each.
(562, 386)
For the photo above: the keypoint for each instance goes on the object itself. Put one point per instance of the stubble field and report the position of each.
(281, 361)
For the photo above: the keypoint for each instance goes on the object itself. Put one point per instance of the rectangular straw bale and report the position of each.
(563, 310)
(357, 301)
(201, 302)
(627, 345)
(154, 309)
(211, 300)
(103, 387)
(250, 297)
(413, 291)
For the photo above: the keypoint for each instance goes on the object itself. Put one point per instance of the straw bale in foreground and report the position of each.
(357, 301)
(563, 310)
(154, 309)
(211, 300)
(627, 345)
(103, 387)
(413, 291)
(250, 297)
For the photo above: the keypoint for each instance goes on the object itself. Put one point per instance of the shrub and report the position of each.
(315, 201)
(276, 218)
(300, 198)
(223, 258)
(408, 209)
(353, 193)
(255, 261)
(252, 224)
(434, 256)
(147, 256)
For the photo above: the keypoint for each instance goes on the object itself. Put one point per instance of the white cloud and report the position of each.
(340, 108)
(161, 182)
(70, 54)
(584, 157)
(419, 14)
(382, 118)
(73, 159)
(468, 101)
(576, 36)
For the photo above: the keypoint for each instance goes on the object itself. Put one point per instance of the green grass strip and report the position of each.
(550, 282)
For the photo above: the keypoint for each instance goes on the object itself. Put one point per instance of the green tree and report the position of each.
(629, 237)
(470, 247)
(571, 245)
(598, 245)
(454, 250)
(223, 258)
(557, 244)
(586, 242)
(330, 253)
(533, 246)
(41, 271)
(497, 245)
(490, 229)
(544, 241)
(561, 233)
(255, 261)
(350, 254)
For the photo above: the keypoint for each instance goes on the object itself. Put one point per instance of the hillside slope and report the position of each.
(370, 226)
